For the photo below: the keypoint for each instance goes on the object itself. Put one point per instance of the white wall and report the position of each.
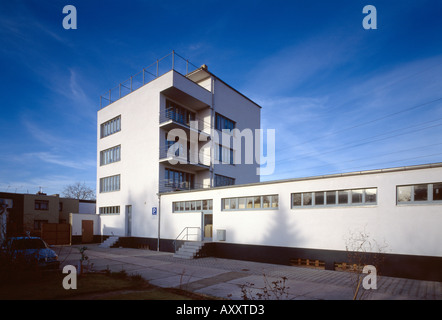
(405, 229)
(77, 218)
(139, 166)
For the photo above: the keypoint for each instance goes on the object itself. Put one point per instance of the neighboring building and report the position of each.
(31, 211)
(146, 198)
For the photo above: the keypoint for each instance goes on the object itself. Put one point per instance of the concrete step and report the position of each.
(109, 242)
(189, 250)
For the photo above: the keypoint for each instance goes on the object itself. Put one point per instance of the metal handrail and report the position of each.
(186, 229)
(145, 76)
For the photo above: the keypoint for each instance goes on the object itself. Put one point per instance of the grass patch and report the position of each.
(91, 286)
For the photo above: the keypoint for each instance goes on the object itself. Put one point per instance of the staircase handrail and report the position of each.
(186, 229)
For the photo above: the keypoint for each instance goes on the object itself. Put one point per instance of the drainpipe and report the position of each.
(159, 215)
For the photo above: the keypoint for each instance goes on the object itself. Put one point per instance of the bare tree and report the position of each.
(79, 191)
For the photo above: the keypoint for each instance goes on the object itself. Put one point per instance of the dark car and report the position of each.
(33, 250)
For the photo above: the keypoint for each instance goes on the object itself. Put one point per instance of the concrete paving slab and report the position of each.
(223, 277)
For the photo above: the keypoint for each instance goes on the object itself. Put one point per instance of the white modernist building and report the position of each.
(165, 176)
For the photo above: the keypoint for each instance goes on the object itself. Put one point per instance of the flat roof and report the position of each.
(333, 175)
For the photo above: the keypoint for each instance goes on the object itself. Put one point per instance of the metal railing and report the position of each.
(171, 186)
(185, 233)
(172, 61)
(196, 123)
(176, 154)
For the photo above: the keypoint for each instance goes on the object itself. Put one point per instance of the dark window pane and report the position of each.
(296, 199)
(331, 197)
(421, 192)
(437, 191)
(343, 197)
(356, 196)
(319, 198)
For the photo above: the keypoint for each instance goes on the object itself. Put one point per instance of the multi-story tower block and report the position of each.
(136, 161)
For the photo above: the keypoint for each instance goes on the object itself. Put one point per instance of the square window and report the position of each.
(319, 198)
(343, 197)
(421, 192)
(331, 197)
(296, 199)
(307, 199)
(356, 196)
(404, 194)
(370, 195)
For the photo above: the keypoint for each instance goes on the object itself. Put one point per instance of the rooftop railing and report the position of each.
(172, 61)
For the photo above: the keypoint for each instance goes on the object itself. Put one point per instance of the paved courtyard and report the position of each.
(232, 279)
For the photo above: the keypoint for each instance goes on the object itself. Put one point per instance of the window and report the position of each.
(343, 197)
(41, 205)
(331, 197)
(223, 123)
(109, 184)
(110, 155)
(109, 210)
(223, 154)
(110, 127)
(223, 181)
(334, 198)
(404, 194)
(178, 179)
(179, 114)
(192, 206)
(437, 191)
(419, 193)
(250, 203)
(319, 198)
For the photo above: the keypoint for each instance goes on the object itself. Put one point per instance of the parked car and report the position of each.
(33, 250)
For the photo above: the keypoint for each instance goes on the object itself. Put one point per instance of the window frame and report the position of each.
(327, 195)
(430, 192)
(249, 203)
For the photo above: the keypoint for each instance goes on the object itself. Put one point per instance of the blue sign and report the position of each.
(154, 211)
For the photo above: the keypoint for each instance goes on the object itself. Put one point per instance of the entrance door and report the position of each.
(207, 227)
(128, 221)
(87, 231)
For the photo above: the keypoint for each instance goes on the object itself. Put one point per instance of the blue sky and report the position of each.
(340, 97)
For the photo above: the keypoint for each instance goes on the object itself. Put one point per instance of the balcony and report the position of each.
(172, 120)
(172, 186)
(189, 160)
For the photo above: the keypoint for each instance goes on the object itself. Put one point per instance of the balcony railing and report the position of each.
(175, 153)
(194, 123)
(171, 185)
(172, 61)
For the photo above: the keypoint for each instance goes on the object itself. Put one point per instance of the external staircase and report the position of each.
(189, 250)
(109, 242)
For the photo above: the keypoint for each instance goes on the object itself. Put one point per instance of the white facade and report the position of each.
(132, 165)
(404, 228)
(138, 180)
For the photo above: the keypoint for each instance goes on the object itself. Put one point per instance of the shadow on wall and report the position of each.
(283, 231)
(112, 231)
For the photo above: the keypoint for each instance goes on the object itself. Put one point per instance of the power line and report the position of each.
(346, 147)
